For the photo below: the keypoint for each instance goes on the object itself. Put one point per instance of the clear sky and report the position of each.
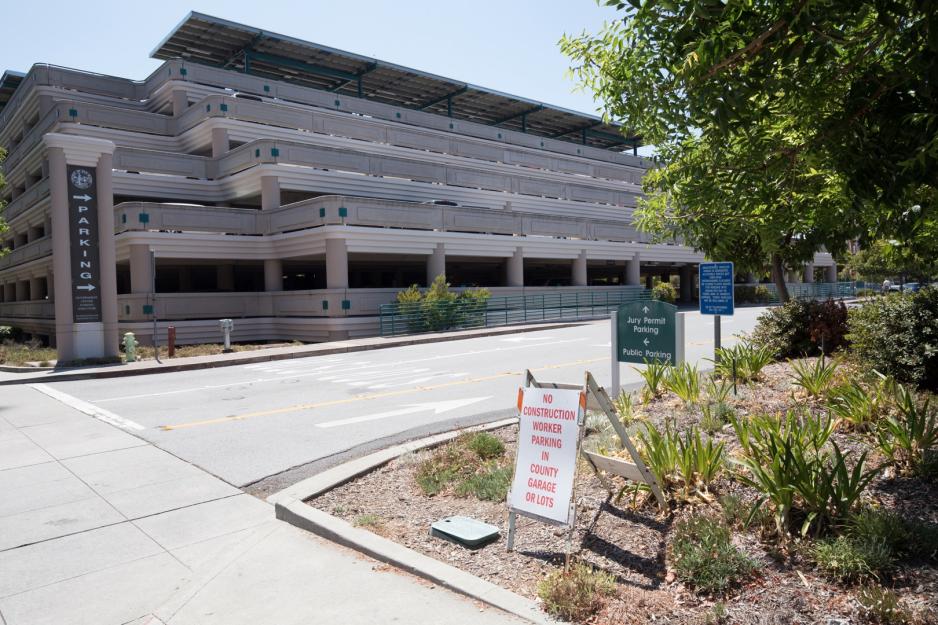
(509, 45)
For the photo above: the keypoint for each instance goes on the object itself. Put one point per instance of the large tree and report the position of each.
(781, 126)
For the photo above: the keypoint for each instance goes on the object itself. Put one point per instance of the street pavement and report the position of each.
(246, 423)
(99, 527)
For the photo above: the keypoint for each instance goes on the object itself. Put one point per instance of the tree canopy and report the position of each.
(780, 126)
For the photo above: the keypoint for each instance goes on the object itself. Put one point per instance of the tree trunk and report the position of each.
(778, 276)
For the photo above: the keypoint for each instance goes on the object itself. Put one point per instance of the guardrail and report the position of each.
(768, 293)
(410, 318)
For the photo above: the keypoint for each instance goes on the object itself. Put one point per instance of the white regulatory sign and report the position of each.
(548, 438)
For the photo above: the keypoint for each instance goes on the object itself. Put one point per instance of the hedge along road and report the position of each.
(248, 422)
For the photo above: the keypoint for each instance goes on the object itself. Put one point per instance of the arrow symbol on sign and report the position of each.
(645, 310)
(84, 197)
(645, 342)
(85, 287)
(437, 407)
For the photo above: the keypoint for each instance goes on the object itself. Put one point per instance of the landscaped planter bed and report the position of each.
(632, 541)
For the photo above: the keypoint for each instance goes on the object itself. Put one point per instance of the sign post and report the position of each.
(716, 297)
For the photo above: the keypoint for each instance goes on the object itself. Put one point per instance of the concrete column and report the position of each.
(273, 274)
(44, 168)
(22, 290)
(436, 263)
(514, 269)
(270, 192)
(20, 239)
(180, 102)
(141, 270)
(107, 254)
(809, 272)
(219, 142)
(633, 271)
(36, 292)
(687, 284)
(61, 266)
(336, 264)
(578, 276)
(830, 273)
(225, 277)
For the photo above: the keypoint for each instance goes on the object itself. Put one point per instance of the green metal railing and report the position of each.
(768, 293)
(410, 318)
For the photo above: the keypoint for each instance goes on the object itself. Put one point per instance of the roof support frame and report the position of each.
(358, 78)
(253, 55)
(523, 115)
(448, 98)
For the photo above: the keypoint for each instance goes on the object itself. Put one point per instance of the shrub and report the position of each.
(898, 335)
(486, 446)
(908, 436)
(684, 381)
(624, 408)
(441, 309)
(799, 327)
(654, 375)
(577, 594)
(715, 415)
(490, 484)
(847, 559)
(665, 292)
(369, 520)
(858, 406)
(704, 556)
(690, 462)
(436, 472)
(753, 294)
(717, 388)
(881, 605)
(815, 378)
(744, 359)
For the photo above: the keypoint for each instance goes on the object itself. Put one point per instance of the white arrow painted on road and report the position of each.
(84, 197)
(437, 407)
(85, 287)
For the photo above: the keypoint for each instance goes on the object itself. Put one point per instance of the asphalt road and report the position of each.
(249, 422)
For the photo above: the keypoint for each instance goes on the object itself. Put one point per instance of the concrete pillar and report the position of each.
(44, 168)
(273, 274)
(61, 266)
(633, 271)
(270, 192)
(22, 290)
(219, 142)
(514, 269)
(436, 263)
(225, 277)
(107, 254)
(578, 276)
(141, 269)
(180, 102)
(809, 272)
(830, 273)
(20, 239)
(687, 284)
(336, 264)
(36, 290)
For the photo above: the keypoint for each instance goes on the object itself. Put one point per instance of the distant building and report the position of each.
(295, 188)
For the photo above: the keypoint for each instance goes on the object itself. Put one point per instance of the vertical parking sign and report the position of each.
(83, 226)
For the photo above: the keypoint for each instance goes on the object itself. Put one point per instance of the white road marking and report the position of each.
(88, 409)
(436, 407)
(416, 381)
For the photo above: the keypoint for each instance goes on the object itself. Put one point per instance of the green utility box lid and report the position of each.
(460, 529)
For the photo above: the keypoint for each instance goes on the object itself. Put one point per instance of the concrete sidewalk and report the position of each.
(145, 367)
(100, 527)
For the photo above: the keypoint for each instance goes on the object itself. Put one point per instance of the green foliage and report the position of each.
(747, 358)
(372, 521)
(577, 594)
(625, 408)
(489, 484)
(876, 526)
(849, 560)
(800, 327)
(905, 438)
(435, 473)
(898, 335)
(715, 415)
(441, 309)
(857, 405)
(788, 460)
(665, 292)
(486, 446)
(753, 294)
(690, 462)
(717, 388)
(704, 556)
(814, 377)
(654, 375)
(881, 606)
(883, 259)
(684, 381)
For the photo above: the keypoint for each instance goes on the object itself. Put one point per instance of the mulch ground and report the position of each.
(631, 541)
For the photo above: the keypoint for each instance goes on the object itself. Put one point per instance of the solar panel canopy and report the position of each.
(213, 41)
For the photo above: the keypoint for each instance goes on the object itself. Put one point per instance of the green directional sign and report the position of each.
(649, 331)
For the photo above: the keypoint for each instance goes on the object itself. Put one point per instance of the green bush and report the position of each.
(898, 336)
(441, 309)
(654, 375)
(753, 294)
(704, 556)
(473, 464)
(665, 292)
(684, 381)
(847, 559)
(489, 484)
(577, 594)
(814, 377)
(691, 461)
(486, 446)
(908, 436)
(745, 359)
(799, 328)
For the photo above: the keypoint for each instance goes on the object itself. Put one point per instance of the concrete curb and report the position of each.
(290, 506)
(120, 371)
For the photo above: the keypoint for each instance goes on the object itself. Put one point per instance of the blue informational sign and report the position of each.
(716, 289)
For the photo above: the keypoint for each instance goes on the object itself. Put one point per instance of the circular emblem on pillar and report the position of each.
(81, 178)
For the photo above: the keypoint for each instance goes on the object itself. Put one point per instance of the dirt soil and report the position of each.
(631, 542)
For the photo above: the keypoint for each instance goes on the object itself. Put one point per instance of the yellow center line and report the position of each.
(370, 397)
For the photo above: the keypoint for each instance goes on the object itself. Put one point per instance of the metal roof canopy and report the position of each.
(213, 41)
(8, 84)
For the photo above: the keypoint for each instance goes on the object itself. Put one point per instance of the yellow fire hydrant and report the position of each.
(130, 347)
